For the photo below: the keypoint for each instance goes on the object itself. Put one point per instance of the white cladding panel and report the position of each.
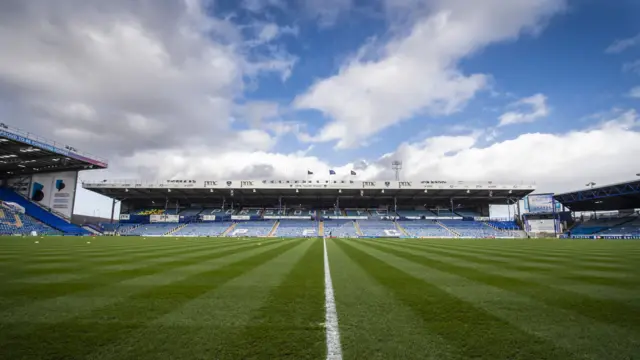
(55, 191)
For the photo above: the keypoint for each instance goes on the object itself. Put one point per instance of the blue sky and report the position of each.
(566, 61)
(542, 91)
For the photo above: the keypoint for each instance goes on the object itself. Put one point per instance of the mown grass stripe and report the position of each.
(42, 291)
(554, 248)
(551, 258)
(580, 335)
(554, 277)
(560, 271)
(152, 253)
(110, 256)
(473, 332)
(620, 264)
(374, 324)
(199, 329)
(289, 324)
(606, 311)
(79, 337)
(77, 249)
(61, 298)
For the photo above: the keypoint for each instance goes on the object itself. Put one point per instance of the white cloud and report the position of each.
(255, 112)
(119, 77)
(530, 109)
(619, 46)
(417, 72)
(635, 92)
(258, 6)
(327, 12)
(556, 162)
(632, 66)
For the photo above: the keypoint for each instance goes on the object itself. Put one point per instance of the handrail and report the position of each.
(41, 139)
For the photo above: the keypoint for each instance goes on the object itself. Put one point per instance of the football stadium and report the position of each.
(310, 268)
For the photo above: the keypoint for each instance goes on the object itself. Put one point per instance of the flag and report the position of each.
(331, 172)
(309, 172)
(353, 172)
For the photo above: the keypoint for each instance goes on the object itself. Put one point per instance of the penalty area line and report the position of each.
(334, 350)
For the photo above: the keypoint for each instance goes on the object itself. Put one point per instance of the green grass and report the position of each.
(206, 298)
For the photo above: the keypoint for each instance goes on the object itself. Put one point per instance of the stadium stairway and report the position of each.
(455, 233)
(321, 228)
(274, 228)
(401, 229)
(128, 230)
(357, 226)
(491, 226)
(91, 230)
(175, 229)
(40, 214)
(229, 229)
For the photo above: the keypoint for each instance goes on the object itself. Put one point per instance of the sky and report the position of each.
(543, 91)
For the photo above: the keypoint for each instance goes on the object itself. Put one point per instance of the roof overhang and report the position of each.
(23, 153)
(198, 189)
(620, 196)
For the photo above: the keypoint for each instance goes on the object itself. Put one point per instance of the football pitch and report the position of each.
(235, 298)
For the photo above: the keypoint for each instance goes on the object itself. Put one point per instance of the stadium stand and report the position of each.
(379, 228)
(16, 223)
(93, 228)
(40, 214)
(330, 212)
(204, 229)
(194, 211)
(595, 226)
(444, 213)
(150, 230)
(298, 208)
(275, 212)
(301, 212)
(297, 228)
(252, 228)
(149, 212)
(378, 213)
(473, 229)
(418, 213)
(124, 229)
(340, 228)
(425, 228)
(629, 227)
(109, 227)
(217, 211)
(467, 213)
(357, 212)
(503, 225)
(250, 212)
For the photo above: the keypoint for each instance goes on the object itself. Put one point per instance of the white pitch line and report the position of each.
(334, 350)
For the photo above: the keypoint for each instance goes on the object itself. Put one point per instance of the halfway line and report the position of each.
(334, 351)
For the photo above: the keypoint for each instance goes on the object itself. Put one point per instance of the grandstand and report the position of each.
(609, 212)
(303, 208)
(297, 228)
(14, 221)
(39, 177)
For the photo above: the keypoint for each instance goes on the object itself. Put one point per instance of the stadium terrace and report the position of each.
(306, 208)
